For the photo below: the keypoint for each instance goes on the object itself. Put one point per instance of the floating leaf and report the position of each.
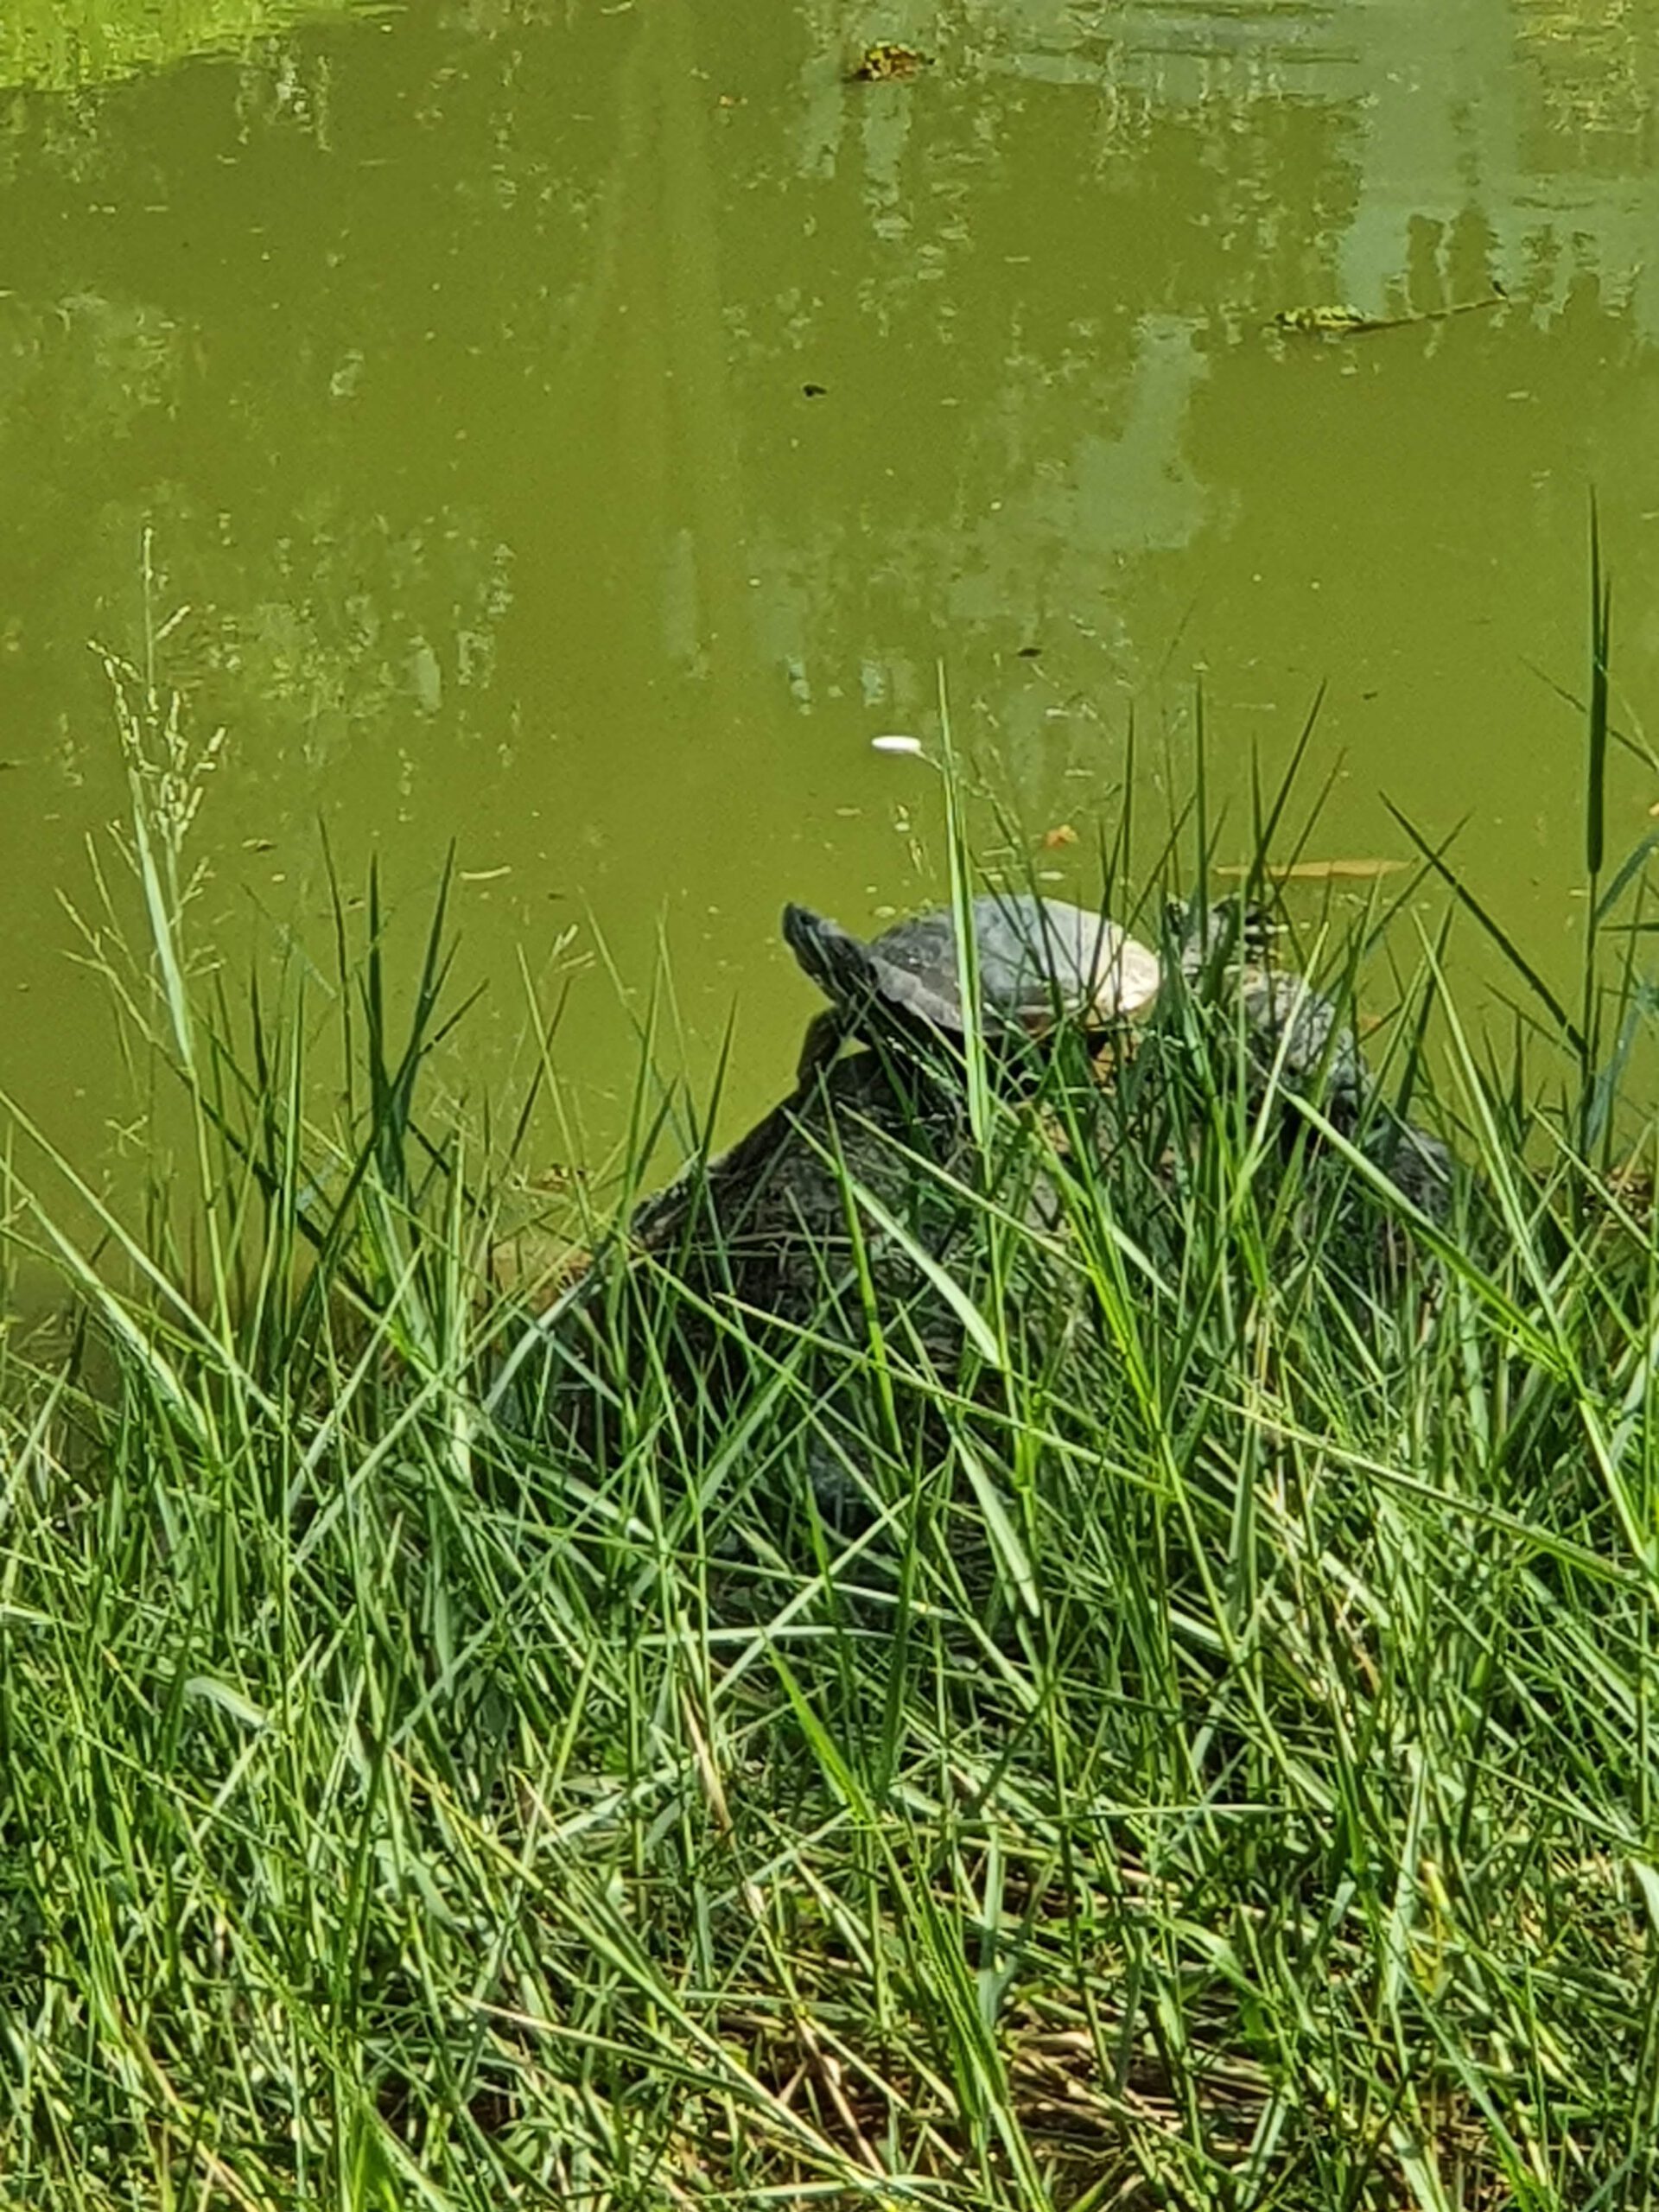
(1326, 318)
(1337, 871)
(888, 62)
(1061, 834)
(1336, 320)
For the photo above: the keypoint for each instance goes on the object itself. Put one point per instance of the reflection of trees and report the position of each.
(494, 346)
(463, 369)
(362, 629)
(1591, 74)
(83, 367)
(435, 425)
(1025, 274)
(395, 378)
(474, 356)
(222, 369)
(1014, 365)
(1502, 114)
(64, 45)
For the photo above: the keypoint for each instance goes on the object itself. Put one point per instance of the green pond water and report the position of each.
(575, 431)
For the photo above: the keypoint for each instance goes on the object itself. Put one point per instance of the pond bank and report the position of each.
(1209, 1763)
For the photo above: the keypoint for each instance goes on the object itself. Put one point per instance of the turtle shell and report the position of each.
(1038, 958)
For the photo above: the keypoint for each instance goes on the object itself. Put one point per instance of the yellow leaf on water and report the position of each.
(1322, 318)
(888, 62)
(1061, 834)
(1356, 871)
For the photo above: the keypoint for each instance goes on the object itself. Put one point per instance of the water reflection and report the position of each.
(575, 431)
(65, 45)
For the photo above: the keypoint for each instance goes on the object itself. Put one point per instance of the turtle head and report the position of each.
(1210, 940)
(838, 962)
(861, 984)
(858, 977)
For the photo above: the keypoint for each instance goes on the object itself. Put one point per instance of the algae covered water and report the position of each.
(574, 432)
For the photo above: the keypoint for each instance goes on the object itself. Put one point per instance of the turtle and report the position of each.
(1040, 960)
(772, 1272)
(1301, 1039)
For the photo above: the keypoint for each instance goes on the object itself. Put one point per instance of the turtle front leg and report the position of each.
(823, 1040)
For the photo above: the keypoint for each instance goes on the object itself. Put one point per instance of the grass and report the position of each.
(1213, 1766)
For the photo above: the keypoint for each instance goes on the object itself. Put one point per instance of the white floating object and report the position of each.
(895, 744)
